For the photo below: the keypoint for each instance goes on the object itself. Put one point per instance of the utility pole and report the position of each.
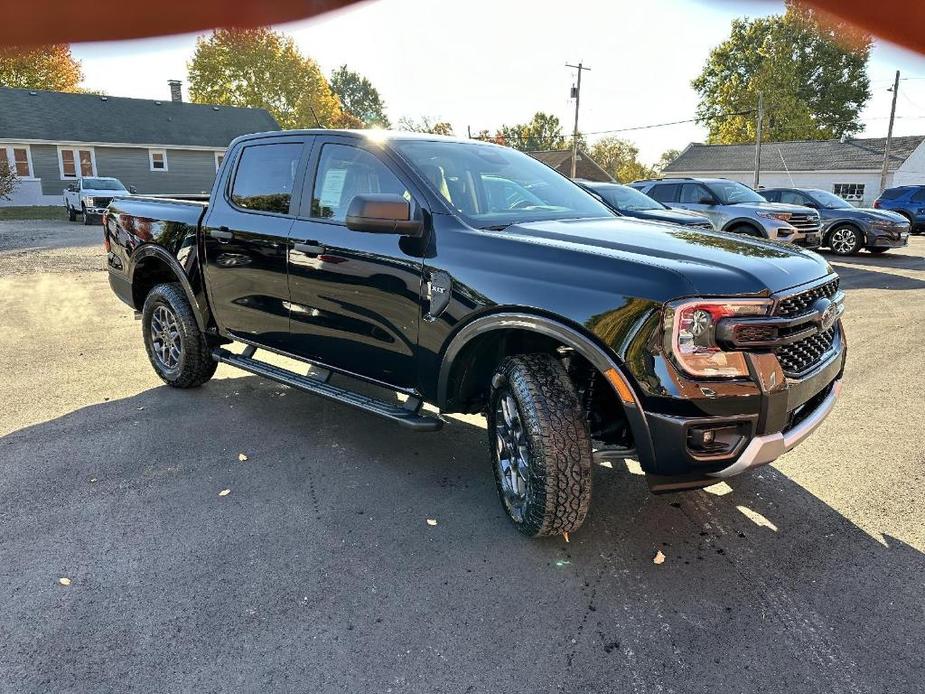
(889, 136)
(758, 130)
(576, 94)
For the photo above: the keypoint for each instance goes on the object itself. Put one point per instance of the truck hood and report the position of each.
(91, 192)
(711, 263)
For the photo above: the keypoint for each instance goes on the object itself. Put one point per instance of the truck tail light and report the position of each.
(690, 334)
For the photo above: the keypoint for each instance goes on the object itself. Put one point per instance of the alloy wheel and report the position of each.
(843, 241)
(165, 337)
(511, 456)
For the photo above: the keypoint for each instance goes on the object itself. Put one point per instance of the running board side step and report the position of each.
(408, 414)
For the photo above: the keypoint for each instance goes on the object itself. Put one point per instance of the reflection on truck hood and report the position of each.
(712, 262)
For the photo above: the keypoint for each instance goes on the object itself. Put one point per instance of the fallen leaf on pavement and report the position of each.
(659, 558)
(242, 457)
(565, 535)
(224, 492)
(431, 521)
(64, 581)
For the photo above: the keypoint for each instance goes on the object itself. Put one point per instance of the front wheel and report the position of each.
(540, 446)
(86, 215)
(845, 240)
(176, 347)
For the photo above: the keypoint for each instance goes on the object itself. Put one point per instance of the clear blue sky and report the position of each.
(484, 63)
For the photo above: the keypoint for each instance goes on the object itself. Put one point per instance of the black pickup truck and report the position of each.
(474, 278)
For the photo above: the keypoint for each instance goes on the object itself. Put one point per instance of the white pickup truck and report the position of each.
(90, 197)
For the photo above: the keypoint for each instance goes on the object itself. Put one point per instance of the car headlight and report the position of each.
(782, 216)
(88, 201)
(690, 335)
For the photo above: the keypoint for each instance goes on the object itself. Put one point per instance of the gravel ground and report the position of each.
(318, 571)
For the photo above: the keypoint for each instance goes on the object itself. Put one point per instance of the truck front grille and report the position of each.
(800, 303)
(101, 202)
(800, 357)
(805, 222)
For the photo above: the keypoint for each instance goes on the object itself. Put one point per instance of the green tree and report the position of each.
(543, 131)
(811, 70)
(668, 156)
(262, 68)
(44, 67)
(425, 125)
(359, 97)
(7, 181)
(619, 158)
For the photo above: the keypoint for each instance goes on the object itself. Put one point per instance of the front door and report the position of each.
(246, 234)
(355, 296)
(694, 197)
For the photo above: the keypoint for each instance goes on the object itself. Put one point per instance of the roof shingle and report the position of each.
(60, 117)
(800, 155)
(561, 160)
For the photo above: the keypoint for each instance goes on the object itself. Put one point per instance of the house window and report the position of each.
(219, 158)
(76, 162)
(18, 158)
(158, 159)
(853, 192)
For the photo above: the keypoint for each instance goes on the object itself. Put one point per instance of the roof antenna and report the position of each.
(784, 162)
(315, 116)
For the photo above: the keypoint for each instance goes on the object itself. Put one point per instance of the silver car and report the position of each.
(732, 206)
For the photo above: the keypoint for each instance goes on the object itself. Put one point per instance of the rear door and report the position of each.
(356, 296)
(245, 236)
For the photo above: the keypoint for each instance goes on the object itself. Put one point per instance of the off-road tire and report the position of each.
(195, 364)
(847, 232)
(71, 214)
(558, 480)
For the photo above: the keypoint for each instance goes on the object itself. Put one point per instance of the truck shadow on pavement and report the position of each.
(874, 272)
(319, 565)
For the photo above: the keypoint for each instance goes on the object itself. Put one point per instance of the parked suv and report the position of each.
(909, 201)
(735, 207)
(847, 229)
(629, 202)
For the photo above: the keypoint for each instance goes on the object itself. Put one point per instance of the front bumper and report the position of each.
(95, 211)
(886, 238)
(809, 239)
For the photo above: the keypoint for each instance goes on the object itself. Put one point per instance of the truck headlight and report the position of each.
(782, 216)
(88, 201)
(690, 335)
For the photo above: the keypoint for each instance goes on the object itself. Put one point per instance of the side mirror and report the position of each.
(72, 188)
(811, 203)
(706, 200)
(381, 213)
(132, 190)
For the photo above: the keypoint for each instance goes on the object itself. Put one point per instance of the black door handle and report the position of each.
(221, 233)
(309, 248)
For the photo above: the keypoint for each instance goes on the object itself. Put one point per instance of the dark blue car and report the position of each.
(629, 202)
(909, 201)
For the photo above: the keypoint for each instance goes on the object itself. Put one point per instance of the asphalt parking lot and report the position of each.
(318, 571)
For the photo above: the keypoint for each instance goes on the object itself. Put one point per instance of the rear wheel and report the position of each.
(176, 347)
(540, 446)
(845, 240)
(71, 214)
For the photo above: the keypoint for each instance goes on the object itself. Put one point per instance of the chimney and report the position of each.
(175, 93)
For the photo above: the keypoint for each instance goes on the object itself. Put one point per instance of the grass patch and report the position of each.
(39, 212)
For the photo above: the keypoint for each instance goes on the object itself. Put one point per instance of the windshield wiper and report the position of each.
(499, 227)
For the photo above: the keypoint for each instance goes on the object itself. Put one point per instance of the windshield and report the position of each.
(628, 199)
(732, 192)
(830, 201)
(494, 187)
(103, 184)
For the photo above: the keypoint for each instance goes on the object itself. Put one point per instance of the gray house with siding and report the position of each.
(51, 139)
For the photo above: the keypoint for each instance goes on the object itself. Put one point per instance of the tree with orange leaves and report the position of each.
(47, 67)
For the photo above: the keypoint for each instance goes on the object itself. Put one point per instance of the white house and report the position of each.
(848, 167)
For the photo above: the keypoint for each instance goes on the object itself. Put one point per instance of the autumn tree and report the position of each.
(7, 181)
(543, 131)
(810, 68)
(668, 156)
(47, 67)
(359, 97)
(619, 158)
(425, 125)
(262, 68)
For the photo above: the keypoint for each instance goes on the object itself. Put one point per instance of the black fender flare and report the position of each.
(150, 250)
(612, 371)
(745, 221)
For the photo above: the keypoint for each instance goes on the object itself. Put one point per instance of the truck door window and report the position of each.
(264, 177)
(344, 172)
